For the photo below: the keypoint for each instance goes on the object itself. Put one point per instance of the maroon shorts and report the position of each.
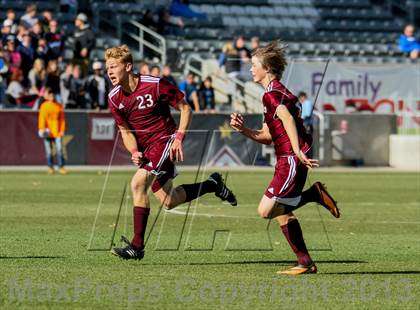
(157, 161)
(288, 180)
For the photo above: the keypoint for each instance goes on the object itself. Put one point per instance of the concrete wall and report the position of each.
(404, 152)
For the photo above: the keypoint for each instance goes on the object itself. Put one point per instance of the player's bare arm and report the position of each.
(259, 135)
(290, 126)
(176, 153)
(130, 143)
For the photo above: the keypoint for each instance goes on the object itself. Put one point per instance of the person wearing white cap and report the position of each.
(84, 42)
(97, 87)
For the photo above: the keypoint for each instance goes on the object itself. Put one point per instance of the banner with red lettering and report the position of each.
(365, 88)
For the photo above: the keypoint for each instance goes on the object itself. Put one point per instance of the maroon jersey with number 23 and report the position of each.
(147, 109)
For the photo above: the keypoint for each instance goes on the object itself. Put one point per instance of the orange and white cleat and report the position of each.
(298, 270)
(326, 200)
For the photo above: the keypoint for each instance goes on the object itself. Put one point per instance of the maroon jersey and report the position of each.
(275, 95)
(147, 109)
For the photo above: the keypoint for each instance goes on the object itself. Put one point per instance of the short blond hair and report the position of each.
(121, 53)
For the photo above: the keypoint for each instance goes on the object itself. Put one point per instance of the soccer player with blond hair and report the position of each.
(141, 106)
(284, 128)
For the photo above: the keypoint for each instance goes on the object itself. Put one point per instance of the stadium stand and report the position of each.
(363, 31)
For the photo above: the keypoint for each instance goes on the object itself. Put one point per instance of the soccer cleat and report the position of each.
(50, 171)
(325, 199)
(299, 269)
(222, 191)
(62, 171)
(129, 252)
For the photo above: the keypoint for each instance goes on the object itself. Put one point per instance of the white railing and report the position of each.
(159, 48)
(238, 84)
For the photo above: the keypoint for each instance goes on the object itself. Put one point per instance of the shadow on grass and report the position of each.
(31, 257)
(374, 272)
(266, 262)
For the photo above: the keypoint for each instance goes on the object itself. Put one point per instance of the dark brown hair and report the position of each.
(272, 57)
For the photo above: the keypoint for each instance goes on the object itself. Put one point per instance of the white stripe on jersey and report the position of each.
(114, 91)
(149, 79)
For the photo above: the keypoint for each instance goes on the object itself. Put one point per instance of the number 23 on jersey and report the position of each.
(145, 101)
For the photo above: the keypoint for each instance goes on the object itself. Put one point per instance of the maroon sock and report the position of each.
(140, 216)
(293, 234)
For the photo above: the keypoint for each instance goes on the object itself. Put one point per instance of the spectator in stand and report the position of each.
(155, 70)
(181, 8)
(144, 68)
(255, 43)
(11, 20)
(240, 46)
(51, 126)
(17, 94)
(22, 31)
(75, 85)
(408, 42)
(3, 75)
(37, 77)
(53, 78)
(97, 87)
(229, 59)
(167, 74)
(55, 42)
(42, 50)
(27, 53)
(45, 21)
(84, 42)
(189, 88)
(12, 55)
(29, 19)
(64, 77)
(170, 25)
(306, 114)
(206, 96)
(149, 20)
(6, 31)
(36, 33)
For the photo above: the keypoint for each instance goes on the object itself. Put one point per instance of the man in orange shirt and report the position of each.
(51, 126)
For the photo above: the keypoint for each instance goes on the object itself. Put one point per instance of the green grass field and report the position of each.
(368, 259)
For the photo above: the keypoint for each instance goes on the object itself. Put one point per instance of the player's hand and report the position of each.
(308, 162)
(176, 153)
(237, 122)
(137, 158)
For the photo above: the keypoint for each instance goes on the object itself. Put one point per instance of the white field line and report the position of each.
(180, 211)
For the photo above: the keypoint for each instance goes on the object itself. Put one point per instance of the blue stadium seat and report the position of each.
(252, 10)
(237, 10)
(268, 11)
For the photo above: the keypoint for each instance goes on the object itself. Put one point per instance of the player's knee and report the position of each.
(137, 186)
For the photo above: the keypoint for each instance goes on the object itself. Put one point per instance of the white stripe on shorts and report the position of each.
(291, 175)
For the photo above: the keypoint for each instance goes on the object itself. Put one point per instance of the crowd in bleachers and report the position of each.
(32, 49)
(32, 58)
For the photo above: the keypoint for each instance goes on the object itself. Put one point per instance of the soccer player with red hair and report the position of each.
(141, 106)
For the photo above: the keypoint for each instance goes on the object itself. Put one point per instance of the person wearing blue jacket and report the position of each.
(408, 42)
